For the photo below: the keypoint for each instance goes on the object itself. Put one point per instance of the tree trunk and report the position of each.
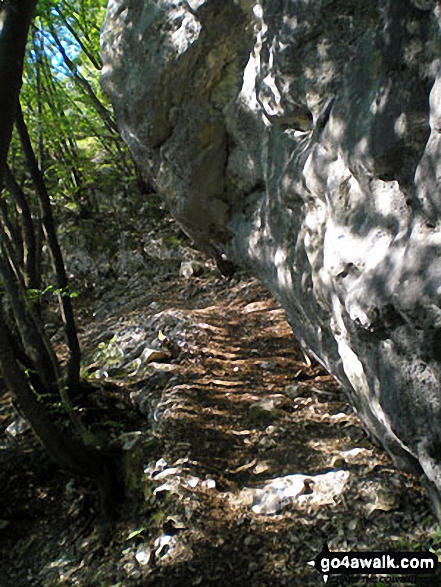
(16, 16)
(70, 454)
(102, 111)
(31, 271)
(33, 337)
(95, 60)
(57, 257)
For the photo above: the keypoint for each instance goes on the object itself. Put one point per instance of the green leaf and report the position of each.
(135, 533)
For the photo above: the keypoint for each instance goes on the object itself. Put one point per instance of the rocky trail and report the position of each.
(245, 452)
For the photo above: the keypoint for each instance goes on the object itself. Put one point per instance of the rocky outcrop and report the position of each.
(302, 140)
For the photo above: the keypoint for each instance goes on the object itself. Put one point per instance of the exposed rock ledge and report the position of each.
(302, 140)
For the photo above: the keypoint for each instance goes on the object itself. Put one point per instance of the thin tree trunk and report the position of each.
(33, 338)
(30, 245)
(66, 145)
(102, 111)
(69, 453)
(95, 61)
(47, 220)
(11, 230)
(38, 50)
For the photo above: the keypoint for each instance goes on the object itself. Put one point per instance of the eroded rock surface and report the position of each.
(302, 141)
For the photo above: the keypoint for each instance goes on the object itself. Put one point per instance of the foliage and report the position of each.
(64, 145)
(69, 118)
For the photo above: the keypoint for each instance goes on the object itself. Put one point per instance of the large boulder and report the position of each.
(301, 139)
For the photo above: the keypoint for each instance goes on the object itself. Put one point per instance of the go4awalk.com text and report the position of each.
(378, 563)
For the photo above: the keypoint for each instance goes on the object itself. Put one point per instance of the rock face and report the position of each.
(302, 140)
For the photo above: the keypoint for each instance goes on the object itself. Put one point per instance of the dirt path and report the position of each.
(252, 410)
(231, 424)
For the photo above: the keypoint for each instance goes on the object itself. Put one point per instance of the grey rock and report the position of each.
(302, 141)
(190, 269)
(17, 427)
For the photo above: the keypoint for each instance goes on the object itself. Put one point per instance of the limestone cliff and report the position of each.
(302, 140)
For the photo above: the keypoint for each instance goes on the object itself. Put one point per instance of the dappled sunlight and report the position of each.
(257, 437)
(246, 447)
(252, 69)
(301, 491)
(298, 141)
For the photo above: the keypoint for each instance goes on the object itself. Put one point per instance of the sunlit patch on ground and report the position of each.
(250, 455)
